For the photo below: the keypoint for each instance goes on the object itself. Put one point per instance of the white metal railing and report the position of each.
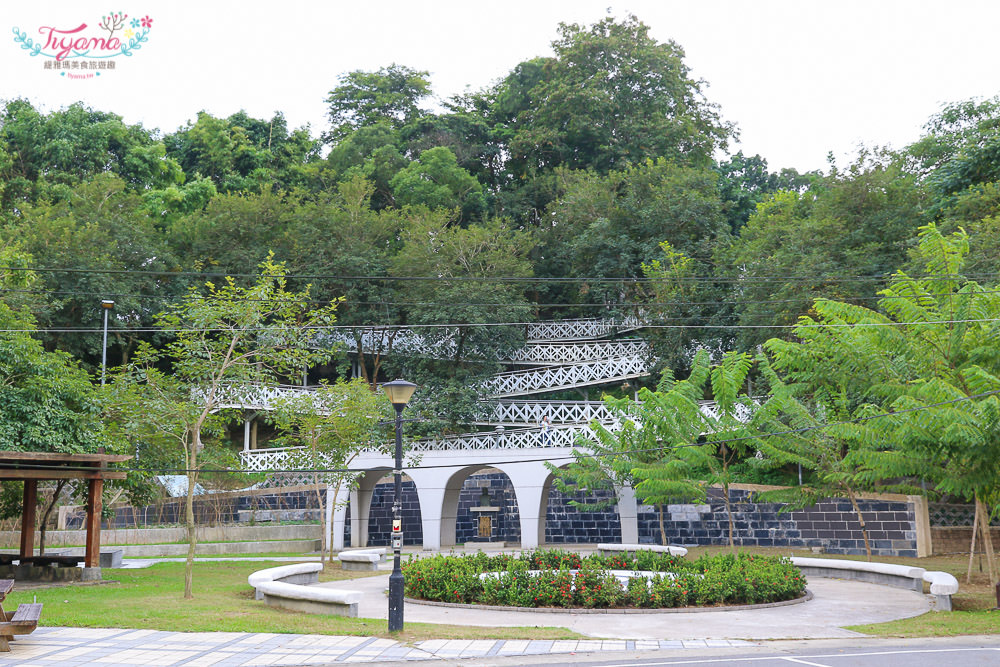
(553, 378)
(567, 353)
(558, 412)
(262, 460)
(256, 397)
(577, 412)
(581, 329)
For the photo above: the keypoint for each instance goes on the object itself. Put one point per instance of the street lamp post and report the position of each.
(106, 306)
(399, 393)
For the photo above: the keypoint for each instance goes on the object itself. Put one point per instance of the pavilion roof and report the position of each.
(48, 465)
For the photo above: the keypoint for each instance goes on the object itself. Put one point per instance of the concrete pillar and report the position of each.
(628, 514)
(336, 514)
(431, 489)
(529, 482)
(361, 504)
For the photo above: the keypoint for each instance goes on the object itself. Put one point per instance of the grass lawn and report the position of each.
(152, 598)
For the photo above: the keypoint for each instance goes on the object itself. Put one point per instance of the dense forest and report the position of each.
(596, 182)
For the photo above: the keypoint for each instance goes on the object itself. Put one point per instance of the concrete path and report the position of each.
(82, 647)
(836, 603)
(625, 636)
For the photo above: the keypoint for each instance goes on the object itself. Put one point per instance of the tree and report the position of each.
(928, 358)
(836, 240)
(830, 437)
(435, 180)
(227, 339)
(722, 430)
(332, 425)
(611, 96)
(390, 95)
(48, 402)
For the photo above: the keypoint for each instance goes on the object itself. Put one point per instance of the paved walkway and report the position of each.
(836, 603)
(79, 647)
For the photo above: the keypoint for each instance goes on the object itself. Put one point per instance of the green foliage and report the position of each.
(390, 95)
(558, 579)
(856, 225)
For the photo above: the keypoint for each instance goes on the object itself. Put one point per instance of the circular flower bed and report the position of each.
(553, 578)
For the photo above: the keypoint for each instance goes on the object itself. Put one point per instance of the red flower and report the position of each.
(147, 22)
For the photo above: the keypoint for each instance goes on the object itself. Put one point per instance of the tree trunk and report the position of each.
(46, 514)
(987, 542)
(329, 538)
(192, 536)
(729, 513)
(972, 547)
(663, 531)
(861, 520)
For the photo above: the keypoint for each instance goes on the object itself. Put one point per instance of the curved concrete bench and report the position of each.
(286, 587)
(612, 549)
(943, 585)
(361, 559)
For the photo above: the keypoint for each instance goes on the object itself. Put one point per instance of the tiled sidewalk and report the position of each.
(77, 647)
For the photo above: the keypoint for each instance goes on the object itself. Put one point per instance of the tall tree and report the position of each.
(227, 339)
(390, 96)
(929, 355)
(331, 426)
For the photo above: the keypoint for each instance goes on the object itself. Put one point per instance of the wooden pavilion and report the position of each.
(32, 467)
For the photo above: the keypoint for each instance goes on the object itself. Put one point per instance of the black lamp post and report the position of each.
(399, 393)
(106, 305)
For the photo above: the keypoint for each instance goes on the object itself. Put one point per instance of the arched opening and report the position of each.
(369, 517)
(479, 505)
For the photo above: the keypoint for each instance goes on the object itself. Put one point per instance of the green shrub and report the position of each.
(564, 579)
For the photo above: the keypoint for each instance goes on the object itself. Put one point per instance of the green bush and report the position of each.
(565, 579)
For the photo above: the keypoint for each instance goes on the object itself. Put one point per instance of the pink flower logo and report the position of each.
(147, 22)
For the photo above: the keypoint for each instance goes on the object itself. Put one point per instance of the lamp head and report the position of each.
(107, 304)
(399, 391)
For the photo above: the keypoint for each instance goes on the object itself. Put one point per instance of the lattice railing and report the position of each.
(262, 460)
(581, 329)
(252, 397)
(576, 412)
(536, 380)
(568, 353)
(558, 412)
(954, 514)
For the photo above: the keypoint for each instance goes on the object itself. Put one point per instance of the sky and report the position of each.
(799, 78)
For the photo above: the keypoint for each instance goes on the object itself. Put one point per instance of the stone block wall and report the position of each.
(830, 524)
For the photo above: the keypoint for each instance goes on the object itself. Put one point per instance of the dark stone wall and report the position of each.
(830, 524)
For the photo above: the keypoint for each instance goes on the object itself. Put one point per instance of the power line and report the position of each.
(499, 279)
(528, 304)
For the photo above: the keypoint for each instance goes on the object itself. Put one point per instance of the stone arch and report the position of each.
(451, 495)
(371, 509)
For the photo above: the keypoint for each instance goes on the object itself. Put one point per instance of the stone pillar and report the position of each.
(431, 495)
(922, 525)
(628, 514)
(336, 514)
(529, 482)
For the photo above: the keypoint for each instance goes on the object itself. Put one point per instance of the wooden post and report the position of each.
(28, 517)
(92, 557)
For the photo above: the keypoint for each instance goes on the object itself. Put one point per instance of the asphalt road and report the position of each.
(863, 652)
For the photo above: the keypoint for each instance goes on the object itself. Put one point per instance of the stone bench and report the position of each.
(943, 585)
(362, 559)
(286, 587)
(613, 549)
